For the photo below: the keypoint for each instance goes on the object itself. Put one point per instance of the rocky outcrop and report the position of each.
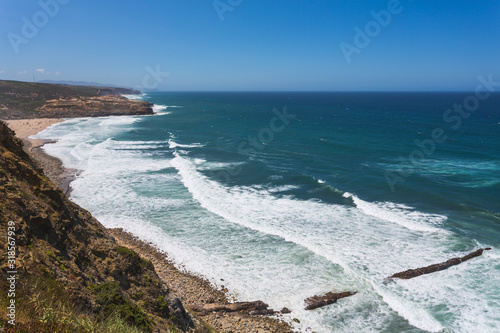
(411, 273)
(330, 298)
(58, 241)
(231, 307)
(93, 107)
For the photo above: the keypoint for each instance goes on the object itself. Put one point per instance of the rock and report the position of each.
(97, 106)
(230, 307)
(266, 312)
(330, 298)
(177, 310)
(411, 273)
(285, 311)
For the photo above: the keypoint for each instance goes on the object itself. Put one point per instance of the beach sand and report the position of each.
(190, 288)
(27, 127)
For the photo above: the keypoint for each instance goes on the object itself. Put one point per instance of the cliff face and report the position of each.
(93, 107)
(42, 100)
(58, 241)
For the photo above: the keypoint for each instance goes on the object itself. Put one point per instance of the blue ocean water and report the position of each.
(282, 196)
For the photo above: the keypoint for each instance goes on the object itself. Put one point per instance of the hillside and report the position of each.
(24, 100)
(72, 276)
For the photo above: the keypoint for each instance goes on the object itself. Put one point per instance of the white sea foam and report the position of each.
(282, 188)
(173, 144)
(218, 165)
(248, 236)
(160, 109)
(400, 214)
(135, 97)
(296, 221)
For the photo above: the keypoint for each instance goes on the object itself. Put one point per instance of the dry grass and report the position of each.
(42, 306)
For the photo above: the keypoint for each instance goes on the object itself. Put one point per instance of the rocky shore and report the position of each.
(193, 290)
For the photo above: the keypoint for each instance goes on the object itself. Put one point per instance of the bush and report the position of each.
(111, 301)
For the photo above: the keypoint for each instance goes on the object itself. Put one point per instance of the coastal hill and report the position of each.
(71, 273)
(26, 100)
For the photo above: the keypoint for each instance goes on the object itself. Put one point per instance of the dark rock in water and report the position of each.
(285, 311)
(330, 298)
(411, 273)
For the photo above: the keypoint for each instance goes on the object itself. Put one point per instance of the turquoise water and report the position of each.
(281, 196)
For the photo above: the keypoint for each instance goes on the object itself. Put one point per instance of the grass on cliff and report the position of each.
(43, 306)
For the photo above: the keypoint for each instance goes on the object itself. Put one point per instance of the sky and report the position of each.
(253, 45)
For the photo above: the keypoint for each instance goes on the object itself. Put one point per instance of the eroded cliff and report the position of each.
(61, 248)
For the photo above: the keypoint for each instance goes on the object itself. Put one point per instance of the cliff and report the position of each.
(24, 100)
(70, 270)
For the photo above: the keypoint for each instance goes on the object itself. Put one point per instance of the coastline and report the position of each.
(52, 167)
(191, 289)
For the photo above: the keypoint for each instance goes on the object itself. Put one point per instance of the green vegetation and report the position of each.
(128, 252)
(125, 251)
(161, 305)
(50, 254)
(146, 263)
(44, 307)
(111, 301)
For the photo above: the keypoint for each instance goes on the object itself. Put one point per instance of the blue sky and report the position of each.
(259, 44)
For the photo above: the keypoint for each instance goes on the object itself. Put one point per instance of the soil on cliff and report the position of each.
(62, 254)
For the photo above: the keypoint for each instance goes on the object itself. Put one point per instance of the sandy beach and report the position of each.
(25, 128)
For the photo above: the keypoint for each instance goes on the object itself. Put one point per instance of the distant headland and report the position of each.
(27, 100)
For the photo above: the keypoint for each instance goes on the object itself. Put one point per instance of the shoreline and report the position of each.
(190, 288)
(193, 290)
(52, 166)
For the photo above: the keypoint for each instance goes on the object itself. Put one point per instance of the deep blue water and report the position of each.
(287, 195)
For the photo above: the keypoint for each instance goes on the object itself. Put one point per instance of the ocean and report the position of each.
(282, 196)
